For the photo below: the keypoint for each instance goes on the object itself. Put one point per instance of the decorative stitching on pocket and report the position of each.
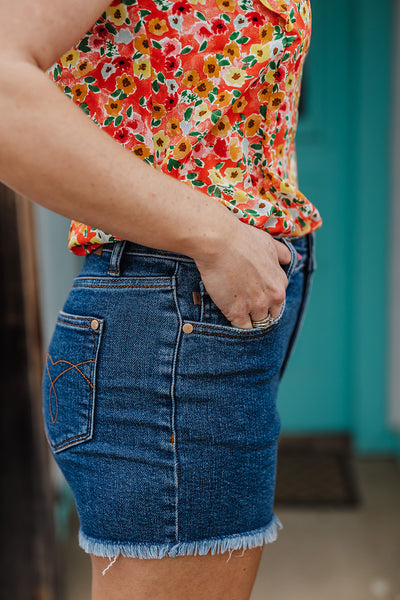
(52, 382)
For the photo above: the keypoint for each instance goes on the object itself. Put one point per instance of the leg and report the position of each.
(207, 577)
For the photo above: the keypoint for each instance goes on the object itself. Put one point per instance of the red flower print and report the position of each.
(279, 74)
(181, 8)
(171, 46)
(218, 26)
(122, 63)
(171, 63)
(255, 18)
(171, 101)
(122, 134)
(221, 148)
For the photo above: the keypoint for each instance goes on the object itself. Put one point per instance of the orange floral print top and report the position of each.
(206, 91)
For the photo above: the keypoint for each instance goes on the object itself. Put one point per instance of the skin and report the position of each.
(53, 154)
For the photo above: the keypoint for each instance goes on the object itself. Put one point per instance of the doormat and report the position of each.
(316, 471)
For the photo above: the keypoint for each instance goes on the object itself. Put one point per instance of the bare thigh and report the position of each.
(208, 577)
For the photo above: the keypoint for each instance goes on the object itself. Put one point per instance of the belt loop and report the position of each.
(115, 260)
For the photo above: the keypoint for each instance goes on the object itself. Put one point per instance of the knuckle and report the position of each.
(278, 295)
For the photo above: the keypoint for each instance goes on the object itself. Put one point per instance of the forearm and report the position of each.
(55, 155)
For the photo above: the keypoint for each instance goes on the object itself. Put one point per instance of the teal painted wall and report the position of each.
(343, 151)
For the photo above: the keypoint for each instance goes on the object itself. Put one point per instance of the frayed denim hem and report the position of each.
(240, 541)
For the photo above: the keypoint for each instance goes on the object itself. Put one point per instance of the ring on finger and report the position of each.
(264, 323)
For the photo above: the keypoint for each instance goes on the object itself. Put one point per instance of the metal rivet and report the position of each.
(94, 324)
(187, 328)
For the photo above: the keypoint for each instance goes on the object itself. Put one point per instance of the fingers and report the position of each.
(283, 252)
(267, 304)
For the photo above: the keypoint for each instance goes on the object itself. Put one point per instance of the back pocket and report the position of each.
(69, 380)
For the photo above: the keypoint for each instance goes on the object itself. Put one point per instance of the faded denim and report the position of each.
(167, 432)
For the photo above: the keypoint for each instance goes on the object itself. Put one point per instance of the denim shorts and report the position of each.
(162, 415)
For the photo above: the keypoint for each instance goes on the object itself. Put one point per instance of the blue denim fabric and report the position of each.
(167, 434)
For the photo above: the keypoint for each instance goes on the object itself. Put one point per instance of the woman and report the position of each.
(160, 382)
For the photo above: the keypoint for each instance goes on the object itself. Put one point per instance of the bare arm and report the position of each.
(54, 154)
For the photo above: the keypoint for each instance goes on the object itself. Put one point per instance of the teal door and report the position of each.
(336, 380)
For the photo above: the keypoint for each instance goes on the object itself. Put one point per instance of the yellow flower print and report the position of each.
(158, 111)
(117, 14)
(158, 26)
(197, 1)
(276, 100)
(141, 67)
(265, 194)
(141, 43)
(264, 94)
(261, 52)
(173, 126)
(202, 112)
(289, 81)
(160, 141)
(79, 92)
(240, 196)
(279, 151)
(239, 105)
(191, 78)
(222, 127)
(82, 69)
(287, 187)
(252, 124)
(113, 107)
(235, 149)
(70, 58)
(182, 148)
(305, 12)
(233, 174)
(126, 84)
(231, 51)
(211, 66)
(266, 33)
(215, 176)
(223, 99)
(141, 150)
(226, 5)
(203, 88)
(235, 76)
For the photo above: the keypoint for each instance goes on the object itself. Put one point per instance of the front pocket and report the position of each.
(69, 380)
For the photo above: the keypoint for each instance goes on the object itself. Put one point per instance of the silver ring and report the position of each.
(263, 323)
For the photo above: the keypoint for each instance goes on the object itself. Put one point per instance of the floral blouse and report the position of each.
(206, 91)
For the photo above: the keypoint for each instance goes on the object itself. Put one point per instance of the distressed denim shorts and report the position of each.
(160, 414)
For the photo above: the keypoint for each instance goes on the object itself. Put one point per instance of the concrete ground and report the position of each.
(325, 554)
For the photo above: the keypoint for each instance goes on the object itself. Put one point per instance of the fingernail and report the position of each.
(299, 255)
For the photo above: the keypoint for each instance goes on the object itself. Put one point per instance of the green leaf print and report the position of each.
(83, 45)
(84, 107)
(155, 86)
(198, 183)
(94, 88)
(108, 121)
(203, 46)
(199, 15)
(215, 116)
(186, 50)
(191, 175)
(110, 27)
(188, 113)
(129, 111)
(225, 17)
(234, 35)
(90, 79)
(219, 165)
(139, 137)
(161, 77)
(118, 121)
(137, 27)
(243, 40)
(210, 189)
(198, 162)
(156, 44)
